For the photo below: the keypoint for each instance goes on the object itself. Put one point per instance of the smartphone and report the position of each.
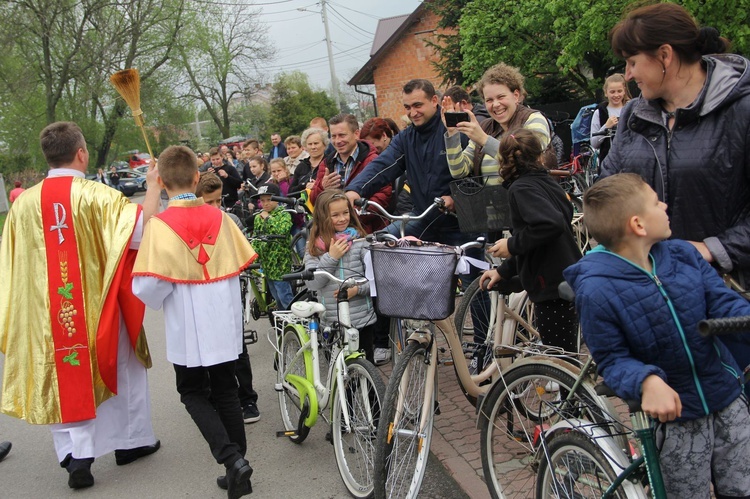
(453, 119)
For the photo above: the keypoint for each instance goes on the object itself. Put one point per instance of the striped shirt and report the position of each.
(461, 162)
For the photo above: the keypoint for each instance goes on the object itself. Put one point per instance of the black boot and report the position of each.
(4, 449)
(79, 471)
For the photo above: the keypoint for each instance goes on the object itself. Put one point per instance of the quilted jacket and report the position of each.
(352, 264)
(636, 324)
(702, 168)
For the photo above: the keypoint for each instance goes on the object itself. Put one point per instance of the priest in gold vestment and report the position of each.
(70, 328)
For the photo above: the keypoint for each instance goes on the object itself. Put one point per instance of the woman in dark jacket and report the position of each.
(688, 134)
(315, 141)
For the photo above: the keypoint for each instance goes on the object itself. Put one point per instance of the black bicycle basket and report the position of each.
(481, 204)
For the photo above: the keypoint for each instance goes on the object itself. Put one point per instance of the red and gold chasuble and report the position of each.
(67, 266)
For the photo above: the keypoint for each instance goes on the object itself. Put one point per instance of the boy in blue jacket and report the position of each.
(639, 298)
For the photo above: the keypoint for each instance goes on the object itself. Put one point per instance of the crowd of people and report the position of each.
(678, 168)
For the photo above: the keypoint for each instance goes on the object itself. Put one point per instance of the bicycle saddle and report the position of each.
(307, 309)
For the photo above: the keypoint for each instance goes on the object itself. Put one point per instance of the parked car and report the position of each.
(136, 159)
(128, 186)
(134, 175)
(119, 165)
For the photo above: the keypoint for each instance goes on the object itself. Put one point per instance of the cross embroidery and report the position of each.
(60, 215)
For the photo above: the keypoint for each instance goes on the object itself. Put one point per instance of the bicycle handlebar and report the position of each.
(607, 132)
(363, 204)
(385, 237)
(267, 237)
(309, 275)
(726, 325)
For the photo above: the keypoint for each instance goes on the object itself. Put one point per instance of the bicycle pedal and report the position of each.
(447, 362)
(501, 353)
(285, 433)
(278, 387)
(250, 337)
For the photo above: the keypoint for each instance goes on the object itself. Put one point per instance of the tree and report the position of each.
(51, 36)
(562, 42)
(221, 50)
(145, 32)
(541, 38)
(448, 44)
(294, 103)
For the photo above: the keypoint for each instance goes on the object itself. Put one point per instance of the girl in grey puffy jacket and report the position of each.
(334, 246)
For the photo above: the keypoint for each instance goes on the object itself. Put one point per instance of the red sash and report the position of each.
(67, 313)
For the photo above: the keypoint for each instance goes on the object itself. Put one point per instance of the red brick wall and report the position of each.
(408, 58)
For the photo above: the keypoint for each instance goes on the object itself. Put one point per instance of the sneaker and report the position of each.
(250, 413)
(382, 356)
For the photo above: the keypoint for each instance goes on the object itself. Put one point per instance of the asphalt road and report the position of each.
(184, 466)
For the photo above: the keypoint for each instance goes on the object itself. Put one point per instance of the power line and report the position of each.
(340, 16)
(299, 51)
(349, 32)
(236, 4)
(357, 11)
(317, 60)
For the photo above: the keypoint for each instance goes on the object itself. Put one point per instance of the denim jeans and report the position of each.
(282, 293)
(219, 422)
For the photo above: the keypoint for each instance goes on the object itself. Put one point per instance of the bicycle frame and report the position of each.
(471, 383)
(650, 459)
(312, 383)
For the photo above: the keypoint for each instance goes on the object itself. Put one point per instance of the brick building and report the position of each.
(399, 53)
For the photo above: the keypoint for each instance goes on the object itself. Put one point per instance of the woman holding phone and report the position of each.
(502, 89)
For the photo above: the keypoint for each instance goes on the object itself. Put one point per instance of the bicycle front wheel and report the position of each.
(354, 446)
(525, 401)
(404, 435)
(574, 466)
(293, 410)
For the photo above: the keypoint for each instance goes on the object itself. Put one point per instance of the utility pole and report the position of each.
(334, 80)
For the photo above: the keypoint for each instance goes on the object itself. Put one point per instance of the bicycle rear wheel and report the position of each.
(526, 400)
(354, 446)
(574, 466)
(403, 442)
(293, 410)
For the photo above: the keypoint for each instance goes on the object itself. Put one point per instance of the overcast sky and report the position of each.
(299, 36)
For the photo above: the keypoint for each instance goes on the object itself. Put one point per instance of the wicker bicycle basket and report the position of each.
(481, 204)
(415, 281)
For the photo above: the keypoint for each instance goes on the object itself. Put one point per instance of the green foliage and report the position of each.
(252, 119)
(448, 44)
(294, 103)
(561, 44)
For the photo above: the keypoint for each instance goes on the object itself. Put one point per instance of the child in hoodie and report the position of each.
(639, 298)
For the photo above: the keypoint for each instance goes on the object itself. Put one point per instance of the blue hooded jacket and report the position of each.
(637, 323)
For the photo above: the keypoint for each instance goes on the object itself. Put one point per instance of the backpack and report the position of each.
(580, 130)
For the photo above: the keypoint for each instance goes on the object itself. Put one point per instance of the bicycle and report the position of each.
(405, 429)
(529, 397)
(580, 459)
(352, 388)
